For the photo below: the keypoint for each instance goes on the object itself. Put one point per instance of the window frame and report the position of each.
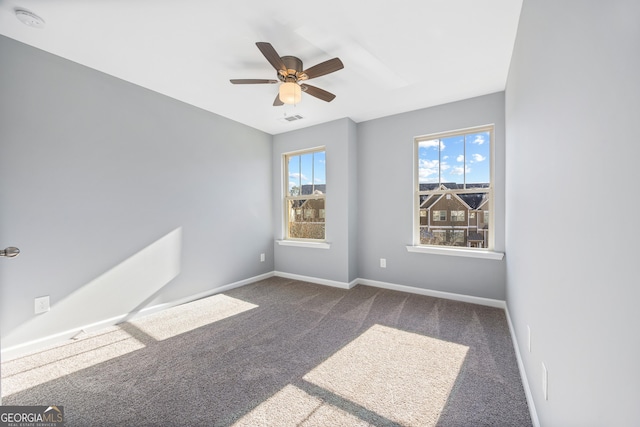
(287, 198)
(417, 246)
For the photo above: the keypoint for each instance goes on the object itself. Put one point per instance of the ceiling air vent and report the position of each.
(292, 118)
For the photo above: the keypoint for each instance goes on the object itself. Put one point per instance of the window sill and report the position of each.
(463, 252)
(304, 244)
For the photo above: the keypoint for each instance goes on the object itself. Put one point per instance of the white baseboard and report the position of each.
(326, 282)
(392, 286)
(60, 337)
(523, 373)
(431, 293)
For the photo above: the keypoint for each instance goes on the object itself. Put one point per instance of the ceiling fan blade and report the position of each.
(317, 92)
(277, 102)
(323, 68)
(272, 56)
(252, 81)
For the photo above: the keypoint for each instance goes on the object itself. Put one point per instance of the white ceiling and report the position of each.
(398, 56)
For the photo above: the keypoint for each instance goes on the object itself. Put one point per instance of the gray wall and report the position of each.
(119, 198)
(385, 200)
(337, 263)
(572, 107)
(352, 200)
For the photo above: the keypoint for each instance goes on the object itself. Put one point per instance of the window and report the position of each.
(439, 215)
(457, 216)
(453, 182)
(305, 192)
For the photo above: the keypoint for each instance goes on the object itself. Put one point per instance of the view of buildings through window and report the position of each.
(306, 187)
(454, 188)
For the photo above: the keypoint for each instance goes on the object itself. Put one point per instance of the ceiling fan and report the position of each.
(291, 73)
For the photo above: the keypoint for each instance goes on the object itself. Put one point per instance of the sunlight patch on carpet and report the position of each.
(402, 376)
(90, 350)
(292, 406)
(25, 372)
(187, 317)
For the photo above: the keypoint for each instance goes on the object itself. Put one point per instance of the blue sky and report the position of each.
(456, 162)
(307, 169)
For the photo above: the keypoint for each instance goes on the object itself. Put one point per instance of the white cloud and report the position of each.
(433, 143)
(459, 170)
(460, 158)
(428, 175)
(479, 140)
(428, 170)
(478, 157)
(426, 163)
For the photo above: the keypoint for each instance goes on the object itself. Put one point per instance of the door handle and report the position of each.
(10, 252)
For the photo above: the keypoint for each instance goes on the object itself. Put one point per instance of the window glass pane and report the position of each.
(293, 167)
(478, 164)
(306, 175)
(306, 219)
(452, 161)
(319, 175)
(450, 215)
(428, 161)
(449, 225)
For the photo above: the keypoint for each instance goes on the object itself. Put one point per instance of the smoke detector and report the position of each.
(29, 18)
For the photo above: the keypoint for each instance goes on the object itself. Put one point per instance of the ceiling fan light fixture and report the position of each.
(290, 93)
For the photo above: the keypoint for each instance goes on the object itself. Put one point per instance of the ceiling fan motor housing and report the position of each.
(294, 69)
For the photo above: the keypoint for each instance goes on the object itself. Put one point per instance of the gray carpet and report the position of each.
(280, 352)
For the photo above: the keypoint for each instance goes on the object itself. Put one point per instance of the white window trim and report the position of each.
(463, 252)
(445, 250)
(304, 244)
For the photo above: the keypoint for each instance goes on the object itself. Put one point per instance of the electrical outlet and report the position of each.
(262, 258)
(383, 263)
(41, 304)
(545, 382)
